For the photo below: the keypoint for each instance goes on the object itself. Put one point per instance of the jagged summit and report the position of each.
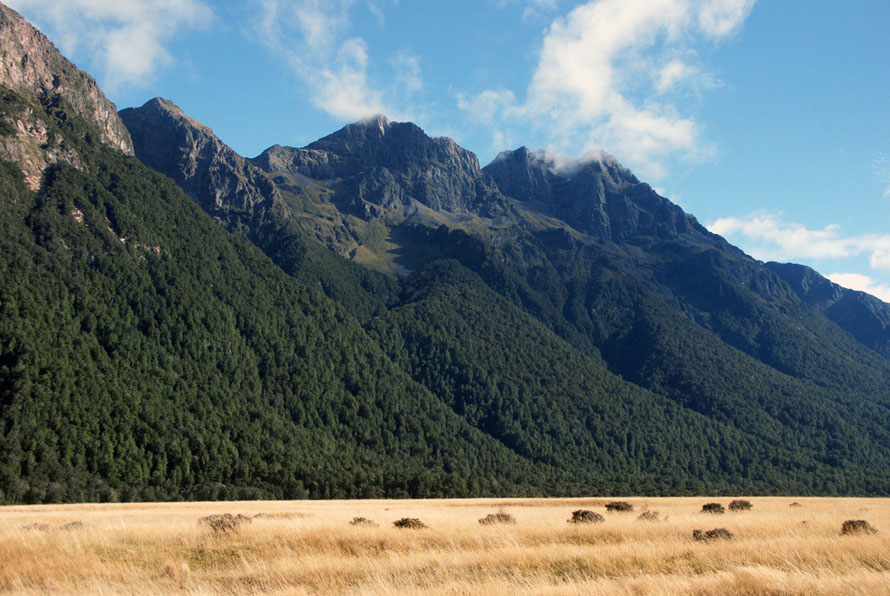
(595, 194)
(162, 106)
(211, 172)
(562, 166)
(387, 165)
(379, 141)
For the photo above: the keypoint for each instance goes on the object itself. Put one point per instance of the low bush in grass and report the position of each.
(500, 517)
(740, 505)
(857, 526)
(585, 516)
(715, 534)
(409, 523)
(619, 506)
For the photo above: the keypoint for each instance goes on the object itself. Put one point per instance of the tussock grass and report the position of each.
(160, 548)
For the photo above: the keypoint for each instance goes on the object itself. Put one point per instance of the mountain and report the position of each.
(37, 79)
(862, 315)
(374, 315)
(146, 353)
(617, 277)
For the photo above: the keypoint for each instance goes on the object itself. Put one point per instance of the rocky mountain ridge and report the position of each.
(379, 317)
(31, 66)
(862, 315)
(222, 182)
(597, 195)
(377, 165)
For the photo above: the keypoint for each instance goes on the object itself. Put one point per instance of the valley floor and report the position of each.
(310, 547)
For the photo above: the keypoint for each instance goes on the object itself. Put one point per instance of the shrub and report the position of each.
(362, 522)
(857, 526)
(712, 508)
(620, 506)
(280, 515)
(75, 525)
(221, 523)
(497, 518)
(740, 505)
(715, 534)
(650, 516)
(795, 504)
(411, 523)
(585, 516)
(36, 526)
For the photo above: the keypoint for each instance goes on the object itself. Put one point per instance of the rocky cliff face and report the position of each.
(379, 165)
(222, 182)
(32, 67)
(596, 196)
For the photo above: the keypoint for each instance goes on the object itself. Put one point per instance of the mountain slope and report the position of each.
(865, 317)
(146, 353)
(32, 68)
(628, 283)
(538, 326)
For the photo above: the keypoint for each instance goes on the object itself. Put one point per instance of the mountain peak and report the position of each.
(379, 121)
(165, 107)
(594, 194)
(561, 166)
(211, 172)
(32, 67)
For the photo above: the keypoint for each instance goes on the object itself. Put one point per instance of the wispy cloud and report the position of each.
(588, 90)
(881, 167)
(768, 237)
(313, 36)
(863, 283)
(126, 39)
(533, 9)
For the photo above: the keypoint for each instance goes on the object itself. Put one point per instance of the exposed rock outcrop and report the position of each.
(222, 182)
(595, 195)
(380, 165)
(32, 67)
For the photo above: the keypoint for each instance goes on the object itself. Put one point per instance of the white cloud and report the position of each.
(312, 35)
(487, 106)
(586, 91)
(408, 71)
(125, 38)
(719, 18)
(863, 283)
(673, 73)
(766, 236)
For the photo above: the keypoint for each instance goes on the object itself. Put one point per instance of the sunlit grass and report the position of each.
(310, 547)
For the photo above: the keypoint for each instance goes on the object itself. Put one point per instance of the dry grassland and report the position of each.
(305, 547)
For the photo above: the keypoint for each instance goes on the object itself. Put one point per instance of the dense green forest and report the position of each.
(148, 353)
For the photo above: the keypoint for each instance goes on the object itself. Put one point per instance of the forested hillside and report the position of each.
(374, 315)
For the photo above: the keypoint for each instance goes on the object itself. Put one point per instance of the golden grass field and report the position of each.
(309, 547)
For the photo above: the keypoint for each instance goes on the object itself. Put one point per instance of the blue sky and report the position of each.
(767, 120)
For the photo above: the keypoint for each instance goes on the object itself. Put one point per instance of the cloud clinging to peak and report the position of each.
(127, 39)
(588, 89)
